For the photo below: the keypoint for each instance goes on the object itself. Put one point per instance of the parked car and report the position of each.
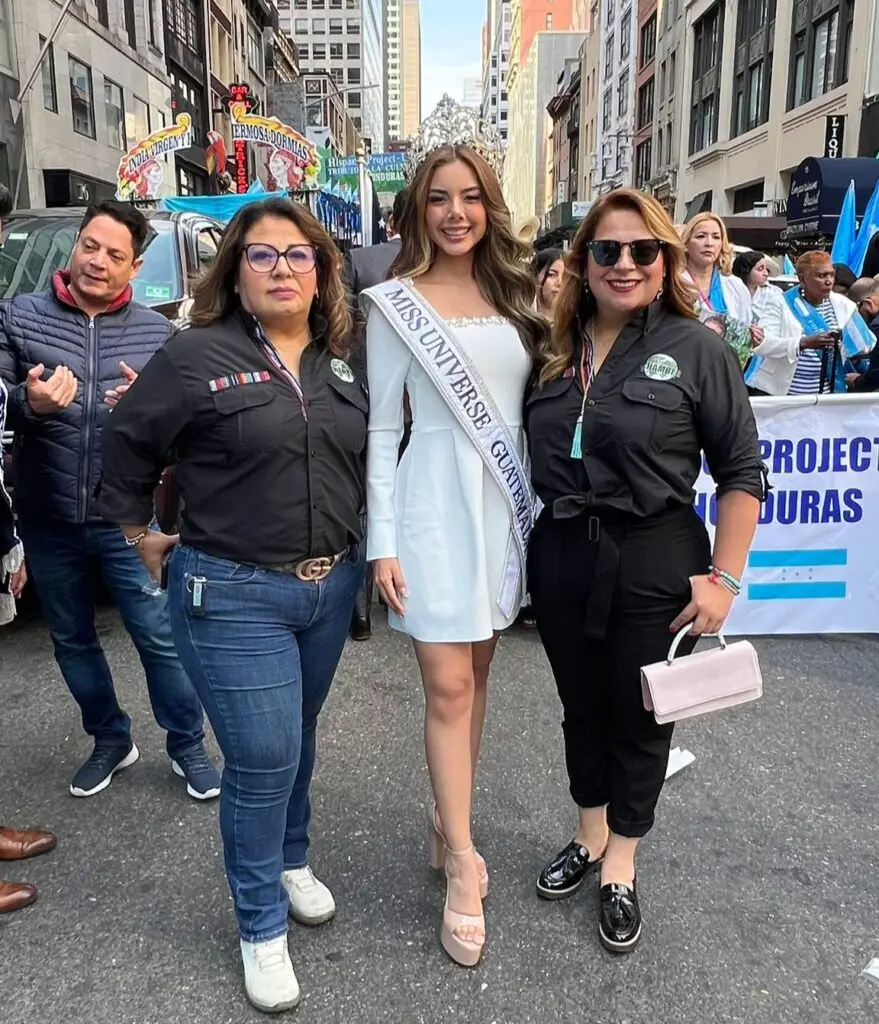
(36, 243)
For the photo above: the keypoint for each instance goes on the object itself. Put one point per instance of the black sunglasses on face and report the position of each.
(607, 252)
(263, 258)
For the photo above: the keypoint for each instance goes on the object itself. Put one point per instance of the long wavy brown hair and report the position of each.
(500, 258)
(727, 253)
(575, 303)
(214, 296)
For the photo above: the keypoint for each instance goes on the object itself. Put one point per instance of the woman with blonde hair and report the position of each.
(455, 327)
(709, 263)
(631, 392)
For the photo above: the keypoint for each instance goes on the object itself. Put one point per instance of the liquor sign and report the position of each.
(140, 174)
(240, 100)
(834, 136)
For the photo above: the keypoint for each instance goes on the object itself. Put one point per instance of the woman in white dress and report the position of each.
(441, 527)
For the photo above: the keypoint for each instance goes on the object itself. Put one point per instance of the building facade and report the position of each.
(528, 158)
(645, 92)
(313, 104)
(667, 112)
(590, 74)
(496, 59)
(402, 47)
(786, 69)
(345, 39)
(616, 90)
(11, 121)
(102, 86)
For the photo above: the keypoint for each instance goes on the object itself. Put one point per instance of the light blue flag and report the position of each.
(788, 268)
(869, 227)
(846, 229)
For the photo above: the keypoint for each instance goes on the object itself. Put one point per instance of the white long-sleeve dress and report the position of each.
(440, 512)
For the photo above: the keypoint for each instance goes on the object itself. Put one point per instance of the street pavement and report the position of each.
(759, 885)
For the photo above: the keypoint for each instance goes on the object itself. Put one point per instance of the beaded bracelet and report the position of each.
(725, 579)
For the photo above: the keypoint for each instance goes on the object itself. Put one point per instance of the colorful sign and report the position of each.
(809, 570)
(293, 162)
(386, 171)
(140, 174)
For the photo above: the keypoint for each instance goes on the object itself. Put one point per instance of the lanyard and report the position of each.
(587, 375)
(271, 353)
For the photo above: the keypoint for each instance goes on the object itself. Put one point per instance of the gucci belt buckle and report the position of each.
(313, 570)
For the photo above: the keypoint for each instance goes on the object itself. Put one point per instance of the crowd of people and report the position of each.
(410, 430)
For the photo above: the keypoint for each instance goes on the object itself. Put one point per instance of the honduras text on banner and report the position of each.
(813, 566)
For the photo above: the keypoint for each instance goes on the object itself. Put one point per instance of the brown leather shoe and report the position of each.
(18, 843)
(15, 895)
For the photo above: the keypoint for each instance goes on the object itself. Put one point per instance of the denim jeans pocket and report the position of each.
(220, 571)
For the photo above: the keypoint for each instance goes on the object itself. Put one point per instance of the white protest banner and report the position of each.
(814, 566)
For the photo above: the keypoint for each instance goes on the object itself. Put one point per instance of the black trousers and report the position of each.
(604, 590)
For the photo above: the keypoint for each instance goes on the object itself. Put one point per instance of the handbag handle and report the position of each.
(672, 651)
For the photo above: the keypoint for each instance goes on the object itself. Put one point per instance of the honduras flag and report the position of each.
(846, 230)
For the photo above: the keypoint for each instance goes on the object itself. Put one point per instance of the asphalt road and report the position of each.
(760, 883)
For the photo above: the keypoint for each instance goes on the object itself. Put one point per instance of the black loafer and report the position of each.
(566, 872)
(619, 922)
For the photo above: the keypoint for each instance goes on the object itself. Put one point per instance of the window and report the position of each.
(151, 18)
(130, 23)
(643, 157)
(142, 126)
(47, 73)
(668, 144)
(352, 26)
(82, 101)
(608, 57)
(319, 26)
(606, 104)
(648, 42)
(820, 51)
(338, 75)
(354, 100)
(623, 94)
(744, 199)
(358, 122)
(102, 12)
(300, 26)
(353, 51)
(335, 5)
(300, 5)
(318, 5)
(645, 104)
(255, 55)
(625, 35)
(493, 61)
(182, 22)
(705, 101)
(336, 26)
(337, 51)
(304, 51)
(115, 115)
(548, 22)
(319, 51)
(753, 65)
(353, 76)
(672, 73)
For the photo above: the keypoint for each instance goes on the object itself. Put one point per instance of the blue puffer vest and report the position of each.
(58, 458)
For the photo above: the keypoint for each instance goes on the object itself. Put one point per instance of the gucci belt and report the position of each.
(309, 570)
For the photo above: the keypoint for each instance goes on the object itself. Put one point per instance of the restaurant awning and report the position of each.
(818, 187)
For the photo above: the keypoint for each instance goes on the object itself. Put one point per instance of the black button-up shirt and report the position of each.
(262, 480)
(646, 421)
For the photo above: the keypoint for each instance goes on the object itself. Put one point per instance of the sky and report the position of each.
(451, 48)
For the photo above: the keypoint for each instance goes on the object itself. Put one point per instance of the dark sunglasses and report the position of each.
(263, 258)
(607, 252)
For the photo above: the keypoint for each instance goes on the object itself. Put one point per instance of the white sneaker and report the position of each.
(311, 902)
(269, 980)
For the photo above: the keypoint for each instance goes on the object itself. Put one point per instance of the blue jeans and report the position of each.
(61, 557)
(262, 657)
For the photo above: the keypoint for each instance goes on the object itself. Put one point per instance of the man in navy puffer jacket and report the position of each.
(63, 353)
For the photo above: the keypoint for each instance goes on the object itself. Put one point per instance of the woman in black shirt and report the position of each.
(631, 393)
(268, 423)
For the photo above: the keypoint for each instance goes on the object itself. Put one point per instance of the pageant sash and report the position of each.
(453, 374)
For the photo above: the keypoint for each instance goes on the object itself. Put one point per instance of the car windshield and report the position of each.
(35, 247)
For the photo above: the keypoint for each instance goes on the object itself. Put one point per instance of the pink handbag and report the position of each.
(702, 682)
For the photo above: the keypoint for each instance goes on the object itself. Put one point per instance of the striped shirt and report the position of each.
(807, 376)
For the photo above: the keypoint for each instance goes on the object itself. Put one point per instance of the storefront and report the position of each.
(817, 190)
(65, 187)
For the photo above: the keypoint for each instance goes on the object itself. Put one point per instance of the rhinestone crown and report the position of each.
(452, 124)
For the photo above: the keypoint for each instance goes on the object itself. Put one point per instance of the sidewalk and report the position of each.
(759, 885)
